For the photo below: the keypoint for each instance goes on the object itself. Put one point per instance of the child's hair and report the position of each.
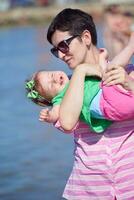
(32, 87)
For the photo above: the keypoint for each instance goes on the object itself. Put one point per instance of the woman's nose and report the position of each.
(61, 55)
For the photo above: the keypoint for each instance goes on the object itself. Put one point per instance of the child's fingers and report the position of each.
(44, 111)
(43, 118)
(44, 114)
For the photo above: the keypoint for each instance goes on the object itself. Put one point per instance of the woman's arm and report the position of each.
(73, 100)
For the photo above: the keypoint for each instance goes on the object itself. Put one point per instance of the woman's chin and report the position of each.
(72, 65)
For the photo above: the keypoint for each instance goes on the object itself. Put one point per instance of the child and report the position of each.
(47, 88)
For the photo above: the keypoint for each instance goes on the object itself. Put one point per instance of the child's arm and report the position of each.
(50, 115)
(73, 100)
(113, 71)
(122, 59)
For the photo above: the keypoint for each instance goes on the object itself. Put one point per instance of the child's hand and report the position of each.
(45, 116)
(50, 115)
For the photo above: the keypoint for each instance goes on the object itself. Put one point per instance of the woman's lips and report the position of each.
(67, 60)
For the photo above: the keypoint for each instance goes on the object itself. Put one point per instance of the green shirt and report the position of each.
(91, 88)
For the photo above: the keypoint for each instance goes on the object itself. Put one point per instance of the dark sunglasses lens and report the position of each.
(63, 47)
(54, 51)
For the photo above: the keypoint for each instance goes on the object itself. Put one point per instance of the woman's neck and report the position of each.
(92, 55)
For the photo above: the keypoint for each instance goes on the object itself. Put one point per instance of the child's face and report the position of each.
(52, 82)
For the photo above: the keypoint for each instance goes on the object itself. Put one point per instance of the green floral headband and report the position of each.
(32, 94)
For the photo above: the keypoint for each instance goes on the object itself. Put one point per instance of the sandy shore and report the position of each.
(39, 15)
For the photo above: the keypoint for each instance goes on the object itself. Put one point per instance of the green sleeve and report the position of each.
(58, 98)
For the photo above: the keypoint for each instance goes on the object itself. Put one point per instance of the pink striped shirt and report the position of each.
(104, 163)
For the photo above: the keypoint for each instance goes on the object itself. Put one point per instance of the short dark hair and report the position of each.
(74, 21)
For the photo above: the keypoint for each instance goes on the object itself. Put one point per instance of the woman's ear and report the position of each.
(86, 37)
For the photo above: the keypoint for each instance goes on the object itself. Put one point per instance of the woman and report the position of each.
(103, 164)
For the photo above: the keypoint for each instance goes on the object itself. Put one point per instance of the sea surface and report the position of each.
(35, 158)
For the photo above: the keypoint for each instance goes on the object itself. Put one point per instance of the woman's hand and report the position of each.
(114, 75)
(117, 75)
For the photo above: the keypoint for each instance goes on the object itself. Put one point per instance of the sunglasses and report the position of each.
(63, 46)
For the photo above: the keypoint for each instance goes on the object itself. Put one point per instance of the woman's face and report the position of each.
(77, 52)
(51, 82)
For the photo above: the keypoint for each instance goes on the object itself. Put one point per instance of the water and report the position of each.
(35, 158)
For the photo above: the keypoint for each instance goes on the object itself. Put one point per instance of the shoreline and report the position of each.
(35, 15)
(41, 15)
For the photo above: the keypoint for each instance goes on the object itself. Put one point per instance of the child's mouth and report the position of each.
(61, 80)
